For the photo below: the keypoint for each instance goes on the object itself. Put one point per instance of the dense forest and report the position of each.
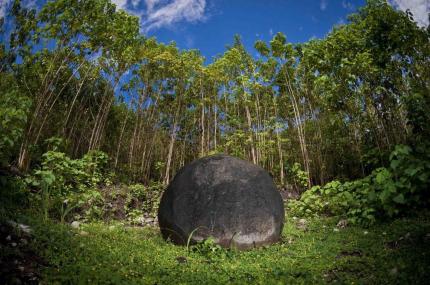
(87, 102)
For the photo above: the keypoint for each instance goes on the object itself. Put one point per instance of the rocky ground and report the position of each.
(19, 263)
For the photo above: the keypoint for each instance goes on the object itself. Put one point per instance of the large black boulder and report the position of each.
(229, 199)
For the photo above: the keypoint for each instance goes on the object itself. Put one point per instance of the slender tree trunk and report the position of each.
(202, 123)
(301, 134)
(120, 138)
(279, 145)
(172, 143)
(215, 126)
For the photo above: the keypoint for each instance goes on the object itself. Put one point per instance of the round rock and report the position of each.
(231, 200)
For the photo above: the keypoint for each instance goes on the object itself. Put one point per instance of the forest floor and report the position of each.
(311, 251)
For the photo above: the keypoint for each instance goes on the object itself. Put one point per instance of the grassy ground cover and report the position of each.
(312, 251)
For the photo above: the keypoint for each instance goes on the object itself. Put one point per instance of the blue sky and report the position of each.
(256, 20)
(210, 25)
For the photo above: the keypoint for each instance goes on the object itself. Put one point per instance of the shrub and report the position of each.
(298, 177)
(385, 192)
(66, 184)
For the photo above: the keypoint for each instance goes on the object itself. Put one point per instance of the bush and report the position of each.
(385, 192)
(297, 177)
(66, 184)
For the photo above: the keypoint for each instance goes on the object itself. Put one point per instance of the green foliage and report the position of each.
(13, 118)
(66, 184)
(14, 195)
(337, 105)
(385, 192)
(297, 176)
(209, 249)
(146, 198)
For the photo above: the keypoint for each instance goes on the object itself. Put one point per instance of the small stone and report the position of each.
(83, 233)
(75, 224)
(302, 224)
(365, 232)
(149, 220)
(24, 228)
(13, 244)
(342, 224)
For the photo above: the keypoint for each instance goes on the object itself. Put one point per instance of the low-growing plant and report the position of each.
(298, 177)
(210, 249)
(65, 185)
(134, 216)
(385, 192)
(144, 198)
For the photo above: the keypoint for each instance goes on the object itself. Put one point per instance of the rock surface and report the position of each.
(75, 224)
(230, 199)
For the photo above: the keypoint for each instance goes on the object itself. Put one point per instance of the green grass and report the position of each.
(391, 253)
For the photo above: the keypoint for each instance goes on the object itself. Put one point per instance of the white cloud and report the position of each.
(155, 14)
(151, 3)
(120, 4)
(135, 3)
(323, 5)
(161, 13)
(4, 5)
(420, 9)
